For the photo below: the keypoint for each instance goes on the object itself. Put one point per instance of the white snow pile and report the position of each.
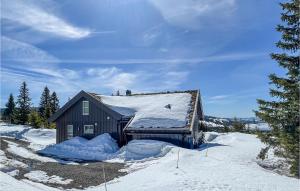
(38, 138)
(104, 147)
(41, 176)
(143, 149)
(152, 111)
(99, 148)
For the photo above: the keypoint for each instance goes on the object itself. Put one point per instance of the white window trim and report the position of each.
(88, 133)
(69, 134)
(85, 105)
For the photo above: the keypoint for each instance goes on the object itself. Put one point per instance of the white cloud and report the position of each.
(32, 14)
(19, 51)
(194, 14)
(174, 60)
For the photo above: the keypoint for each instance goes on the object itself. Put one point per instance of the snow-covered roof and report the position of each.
(167, 110)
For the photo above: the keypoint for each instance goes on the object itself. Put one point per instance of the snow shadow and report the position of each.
(209, 145)
(15, 134)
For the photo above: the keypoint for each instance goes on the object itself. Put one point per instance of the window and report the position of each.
(69, 131)
(88, 129)
(85, 108)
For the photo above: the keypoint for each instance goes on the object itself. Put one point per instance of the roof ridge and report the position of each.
(148, 93)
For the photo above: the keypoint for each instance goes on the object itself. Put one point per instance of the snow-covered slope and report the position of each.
(226, 163)
(158, 110)
(38, 138)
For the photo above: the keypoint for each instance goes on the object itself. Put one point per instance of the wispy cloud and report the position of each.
(205, 59)
(33, 15)
(194, 14)
(14, 50)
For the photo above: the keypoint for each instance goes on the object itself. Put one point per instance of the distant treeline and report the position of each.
(22, 112)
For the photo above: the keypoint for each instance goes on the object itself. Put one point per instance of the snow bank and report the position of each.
(104, 147)
(99, 148)
(150, 111)
(142, 149)
(41, 176)
(38, 138)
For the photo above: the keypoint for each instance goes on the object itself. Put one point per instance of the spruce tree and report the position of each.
(23, 103)
(45, 106)
(282, 112)
(54, 103)
(10, 109)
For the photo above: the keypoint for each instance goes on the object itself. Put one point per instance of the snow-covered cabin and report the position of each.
(168, 116)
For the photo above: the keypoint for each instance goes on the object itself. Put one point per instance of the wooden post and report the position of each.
(206, 150)
(178, 158)
(103, 171)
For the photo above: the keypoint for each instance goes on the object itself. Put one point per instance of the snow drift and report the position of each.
(104, 147)
(142, 149)
(99, 148)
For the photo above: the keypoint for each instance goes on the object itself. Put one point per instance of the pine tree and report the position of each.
(282, 112)
(45, 106)
(54, 103)
(23, 103)
(10, 109)
(35, 119)
(128, 92)
(238, 125)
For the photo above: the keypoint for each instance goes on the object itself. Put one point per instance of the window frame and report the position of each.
(69, 127)
(88, 133)
(85, 106)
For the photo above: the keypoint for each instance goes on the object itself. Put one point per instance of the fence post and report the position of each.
(103, 171)
(178, 158)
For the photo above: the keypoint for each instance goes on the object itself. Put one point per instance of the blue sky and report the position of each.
(219, 47)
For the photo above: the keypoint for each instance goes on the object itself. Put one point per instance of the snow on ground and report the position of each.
(6, 164)
(102, 147)
(38, 138)
(228, 162)
(151, 111)
(143, 149)
(8, 183)
(41, 176)
(25, 153)
(259, 126)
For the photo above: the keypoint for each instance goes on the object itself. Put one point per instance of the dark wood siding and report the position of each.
(102, 121)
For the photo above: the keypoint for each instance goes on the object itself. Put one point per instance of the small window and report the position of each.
(88, 129)
(69, 131)
(85, 108)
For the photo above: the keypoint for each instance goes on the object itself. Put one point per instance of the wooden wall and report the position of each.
(73, 116)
